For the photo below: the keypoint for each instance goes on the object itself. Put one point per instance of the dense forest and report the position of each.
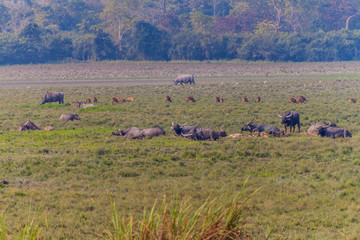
(38, 31)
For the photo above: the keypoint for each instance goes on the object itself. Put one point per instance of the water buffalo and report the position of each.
(245, 99)
(53, 97)
(130, 99)
(69, 117)
(222, 133)
(258, 99)
(201, 134)
(184, 79)
(221, 100)
(95, 100)
(180, 129)
(328, 129)
(136, 133)
(251, 127)
(88, 100)
(129, 133)
(217, 99)
(290, 119)
(334, 132)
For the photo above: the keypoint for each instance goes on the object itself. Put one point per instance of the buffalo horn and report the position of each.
(186, 135)
(184, 124)
(172, 124)
(279, 115)
(328, 123)
(252, 121)
(289, 115)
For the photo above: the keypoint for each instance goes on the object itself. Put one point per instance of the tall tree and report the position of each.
(147, 42)
(4, 17)
(118, 17)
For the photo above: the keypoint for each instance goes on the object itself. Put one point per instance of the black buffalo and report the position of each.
(251, 127)
(184, 79)
(180, 129)
(53, 97)
(136, 133)
(334, 132)
(201, 134)
(290, 119)
(329, 129)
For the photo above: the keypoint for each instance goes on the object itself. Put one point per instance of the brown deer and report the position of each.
(168, 99)
(114, 100)
(352, 100)
(190, 99)
(292, 100)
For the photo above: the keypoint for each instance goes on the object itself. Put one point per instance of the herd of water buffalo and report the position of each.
(290, 119)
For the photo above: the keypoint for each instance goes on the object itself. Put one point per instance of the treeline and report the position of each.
(34, 31)
(149, 43)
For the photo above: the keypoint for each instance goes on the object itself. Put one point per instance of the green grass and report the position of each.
(309, 185)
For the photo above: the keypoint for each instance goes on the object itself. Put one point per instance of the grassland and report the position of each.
(309, 186)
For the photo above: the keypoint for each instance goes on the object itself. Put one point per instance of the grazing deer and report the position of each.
(114, 100)
(301, 99)
(352, 100)
(190, 99)
(292, 100)
(168, 99)
(120, 99)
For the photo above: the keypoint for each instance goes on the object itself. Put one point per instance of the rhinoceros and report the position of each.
(53, 97)
(69, 117)
(187, 78)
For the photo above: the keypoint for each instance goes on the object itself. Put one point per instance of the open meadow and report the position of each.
(65, 180)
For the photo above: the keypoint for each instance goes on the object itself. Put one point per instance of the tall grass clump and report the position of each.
(28, 231)
(219, 218)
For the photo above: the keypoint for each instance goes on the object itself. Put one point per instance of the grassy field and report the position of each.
(309, 186)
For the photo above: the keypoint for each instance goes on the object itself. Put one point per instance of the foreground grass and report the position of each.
(309, 185)
(221, 218)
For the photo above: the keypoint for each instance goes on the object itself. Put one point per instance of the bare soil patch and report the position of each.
(158, 73)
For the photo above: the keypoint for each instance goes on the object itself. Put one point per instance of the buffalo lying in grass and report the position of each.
(251, 127)
(180, 129)
(201, 134)
(195, 133)
(136, 133)
(328, 129)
